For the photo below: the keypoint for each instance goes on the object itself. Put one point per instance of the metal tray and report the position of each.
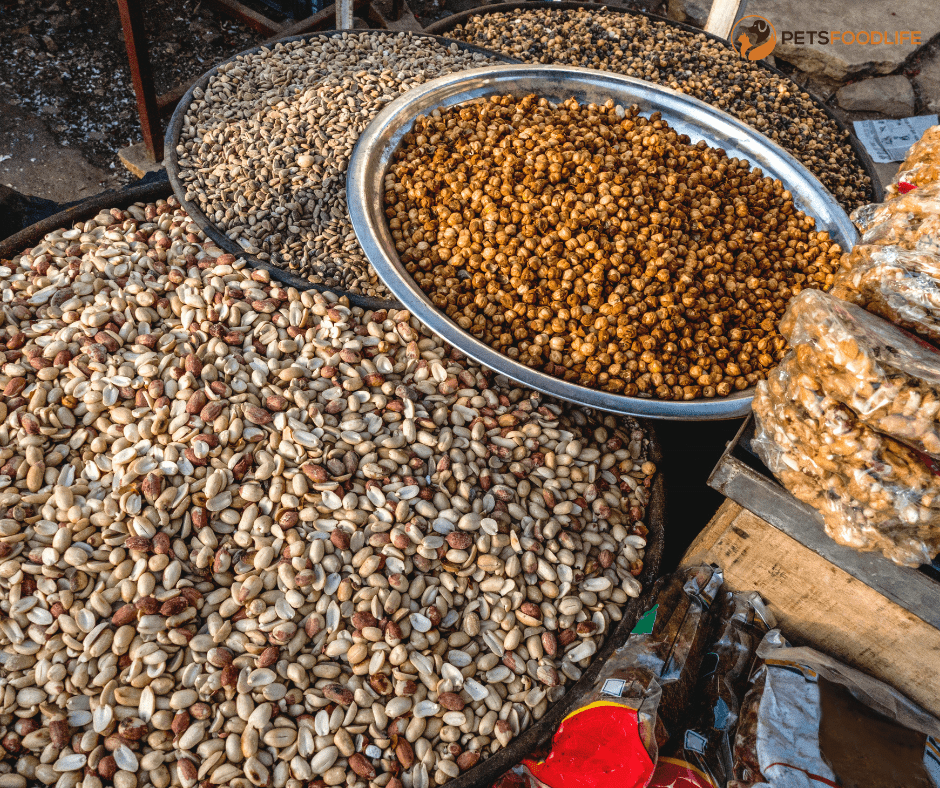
(377, 144)
(171, 161)
(444, 26)
(741, 476)
(484, 774)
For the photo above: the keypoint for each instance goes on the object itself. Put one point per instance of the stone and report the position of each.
(838, 60)
(891, 96)
(819, 86)
(137, 160)
(692, 12)
(928, 83)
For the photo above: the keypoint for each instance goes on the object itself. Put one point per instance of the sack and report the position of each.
(810, 721)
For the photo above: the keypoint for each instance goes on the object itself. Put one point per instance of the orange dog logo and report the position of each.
(753, 37)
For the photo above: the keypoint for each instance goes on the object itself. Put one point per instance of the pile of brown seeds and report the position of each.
(600, 246)
(264, 148)
(691, 63)
(250, 536)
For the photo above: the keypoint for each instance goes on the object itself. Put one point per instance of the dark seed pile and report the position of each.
(690, 63)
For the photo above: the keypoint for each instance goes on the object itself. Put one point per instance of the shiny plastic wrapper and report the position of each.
(873, 492)
(922, 165)
(703, 745)
(895, 270)
(907, 220)
(890, 379)
(612, 739)
(808, 721)
(899, 285)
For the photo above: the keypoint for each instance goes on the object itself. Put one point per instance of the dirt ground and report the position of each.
(66, 100)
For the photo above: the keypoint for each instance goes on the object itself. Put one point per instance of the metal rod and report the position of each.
(132, 20)
(319, 21)
(249, 16)
(344, 14)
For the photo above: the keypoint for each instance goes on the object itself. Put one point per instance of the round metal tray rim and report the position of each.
(376, 145)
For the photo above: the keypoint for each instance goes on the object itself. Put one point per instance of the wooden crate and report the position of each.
(819, 604)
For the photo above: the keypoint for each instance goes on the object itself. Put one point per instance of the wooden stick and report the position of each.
(721, 17)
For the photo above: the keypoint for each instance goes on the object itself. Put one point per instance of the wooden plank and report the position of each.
(818, 604)
(168, 101)
(318, 21)
(249, 16)
(373, 16)
(721, 17)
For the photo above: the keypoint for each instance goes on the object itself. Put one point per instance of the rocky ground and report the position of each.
(67, 105)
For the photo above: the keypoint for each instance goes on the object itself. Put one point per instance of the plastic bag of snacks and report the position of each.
(901, 286)
(611, 740)
(889, 378)
(907, 220)
(894, 271)
(699, 754)
(922, 165)
(873, 492)
(809, 721)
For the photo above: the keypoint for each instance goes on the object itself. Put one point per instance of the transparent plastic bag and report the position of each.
(895, 270)
(890, 379)
(908, 220)
(900, 286)
(922, 165)
(873, 492)
(808, 720)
